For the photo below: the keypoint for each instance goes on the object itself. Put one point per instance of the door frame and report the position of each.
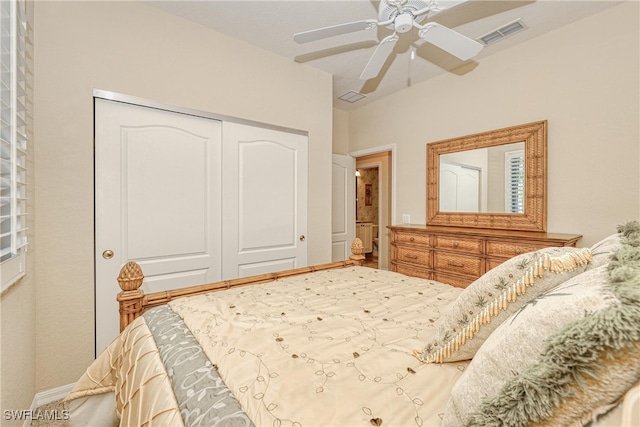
(142, 102)
(382, 149)
(390, 148)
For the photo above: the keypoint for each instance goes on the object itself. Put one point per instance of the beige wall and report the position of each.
(18, 360)
(582, 78)
(129, 48)
(340, 132)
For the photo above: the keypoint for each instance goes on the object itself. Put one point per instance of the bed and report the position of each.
(345, 345)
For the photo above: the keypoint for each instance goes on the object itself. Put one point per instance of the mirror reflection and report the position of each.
(490, 179)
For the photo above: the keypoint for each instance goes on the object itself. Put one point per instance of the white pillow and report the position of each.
(602, 251)
(492, 298)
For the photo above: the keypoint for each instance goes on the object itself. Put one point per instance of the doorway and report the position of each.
(375, 203)
(368, 212)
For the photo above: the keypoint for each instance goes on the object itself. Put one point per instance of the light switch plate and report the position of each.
(406, 219)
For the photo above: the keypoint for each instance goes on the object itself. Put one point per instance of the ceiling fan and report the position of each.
(400, 16)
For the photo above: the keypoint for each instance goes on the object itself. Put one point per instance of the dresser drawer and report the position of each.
(511, 249)
(460, 282)
(412, 238)
(458, 264)
(413, 256)
(472, 246)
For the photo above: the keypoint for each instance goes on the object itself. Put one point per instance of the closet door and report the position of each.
(265, 200)
(157, 202)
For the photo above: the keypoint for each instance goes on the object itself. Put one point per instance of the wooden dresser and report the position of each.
(458, 256)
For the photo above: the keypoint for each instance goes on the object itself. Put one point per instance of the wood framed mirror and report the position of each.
(493, 180)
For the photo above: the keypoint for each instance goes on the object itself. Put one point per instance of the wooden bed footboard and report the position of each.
(133, 301)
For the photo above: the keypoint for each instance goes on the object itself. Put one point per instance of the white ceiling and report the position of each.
(271, 24)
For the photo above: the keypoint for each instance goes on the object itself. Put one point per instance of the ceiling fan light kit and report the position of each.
(403, 23)
(400, 16)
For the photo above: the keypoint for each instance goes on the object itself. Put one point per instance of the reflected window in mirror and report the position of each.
(514, 181)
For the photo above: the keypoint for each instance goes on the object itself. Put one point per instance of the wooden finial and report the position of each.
(130, 277)
(131, 298)
(356, 249)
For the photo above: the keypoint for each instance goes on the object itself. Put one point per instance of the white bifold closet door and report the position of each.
(160, 201)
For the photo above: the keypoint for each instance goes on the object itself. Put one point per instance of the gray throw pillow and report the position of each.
(549, 362)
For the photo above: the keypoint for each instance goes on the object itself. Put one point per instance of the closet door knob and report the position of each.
(108, 254)
(302, 238)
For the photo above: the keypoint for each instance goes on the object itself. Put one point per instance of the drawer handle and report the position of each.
(517, 251)
(411, 256)
(455, 245)
(453, 264)
(411, 239)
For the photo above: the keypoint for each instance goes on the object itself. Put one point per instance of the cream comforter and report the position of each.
(331, 348)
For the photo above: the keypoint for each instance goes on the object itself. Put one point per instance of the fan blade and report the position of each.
(379, 57)
(335, 30)
(450, 40)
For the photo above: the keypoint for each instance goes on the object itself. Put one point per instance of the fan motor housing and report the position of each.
(403, 13)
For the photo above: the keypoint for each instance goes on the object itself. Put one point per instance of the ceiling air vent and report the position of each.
(352, 96)
(502, 32)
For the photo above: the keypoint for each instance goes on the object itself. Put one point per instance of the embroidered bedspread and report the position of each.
(161, 376)
(330, 348)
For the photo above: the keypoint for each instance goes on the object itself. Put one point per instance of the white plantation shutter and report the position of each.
(514, 179)
(14, 100)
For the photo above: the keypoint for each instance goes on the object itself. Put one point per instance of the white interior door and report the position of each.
(459, 188)
(157, 196)
(265, 200)
(343, 211)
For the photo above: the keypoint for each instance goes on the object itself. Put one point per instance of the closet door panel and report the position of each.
(158, 190)
(265, 200)
(267, 195)
(160, 165)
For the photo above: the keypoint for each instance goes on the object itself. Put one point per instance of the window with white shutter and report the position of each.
(14, 78)
(514, 179)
